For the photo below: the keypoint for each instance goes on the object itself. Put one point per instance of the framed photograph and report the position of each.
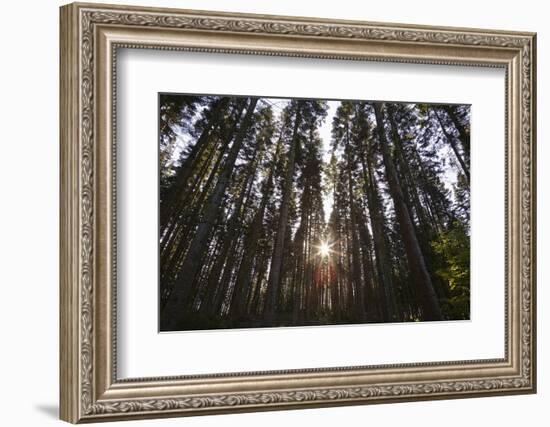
(267, 212)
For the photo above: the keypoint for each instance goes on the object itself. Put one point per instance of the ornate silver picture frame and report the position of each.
(91, 35)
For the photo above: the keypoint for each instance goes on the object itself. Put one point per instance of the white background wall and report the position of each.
(29, 170)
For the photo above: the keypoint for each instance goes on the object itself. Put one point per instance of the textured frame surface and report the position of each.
(90, 35)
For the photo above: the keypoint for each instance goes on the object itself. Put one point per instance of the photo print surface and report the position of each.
(303, 212)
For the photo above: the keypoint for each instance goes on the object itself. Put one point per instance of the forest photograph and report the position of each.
(279, 212)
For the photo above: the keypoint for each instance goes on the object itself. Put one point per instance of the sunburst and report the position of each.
(324, 249)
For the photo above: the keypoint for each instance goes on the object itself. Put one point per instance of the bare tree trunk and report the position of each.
(173, 314)
(379, 240)
(452, 143)
(216, 287)
(463, 135)
(356, 267)
(227, 256)
(244, 279)
(188, 207)
(417, 265)
(171, 257)
(371, 305)
(277, 259)
(184, 172)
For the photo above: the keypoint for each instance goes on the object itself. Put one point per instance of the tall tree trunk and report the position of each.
(335, 268)
(463, 134)
(382, 255)
(417, 265)
(172, 260)
(408, 182)
(356, 261)
(228, 252)
(450, 139)
(180, 226)
(277, 259)
(436, 214)
(349, 273)
(179, 185)
(256, 300)
(216, 288)
(300, 259)
(368, 271)
(244, 278)
(173, 314)
(173, 251)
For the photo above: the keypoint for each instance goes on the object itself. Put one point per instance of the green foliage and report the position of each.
(453, 248)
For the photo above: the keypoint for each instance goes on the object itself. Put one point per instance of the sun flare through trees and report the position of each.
(286, 212)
